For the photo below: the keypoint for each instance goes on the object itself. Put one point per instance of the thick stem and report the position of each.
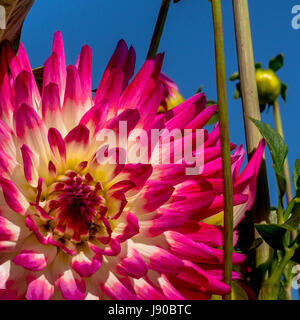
(160, 23)
(286, 172)
(261, 209)
(270, 287)
(225, 143)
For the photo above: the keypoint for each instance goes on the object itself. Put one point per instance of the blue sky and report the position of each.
(187, 42)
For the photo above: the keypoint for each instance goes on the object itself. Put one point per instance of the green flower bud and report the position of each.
(268, 86)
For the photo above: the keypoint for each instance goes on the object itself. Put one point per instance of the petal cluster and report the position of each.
(73, 226)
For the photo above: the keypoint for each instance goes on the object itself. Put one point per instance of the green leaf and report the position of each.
(272, 234)
(296, 174)
(237, 92)
(293, 222)
(283, 91)
(256, 243)
(276, 63)
(238, 292)
(288, 211)
(275, 142)
(258, 65)
(234, 76)
(211, 103)
(281, 181)
(215, 117)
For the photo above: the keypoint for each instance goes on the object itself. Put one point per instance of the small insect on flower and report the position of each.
(74, 227)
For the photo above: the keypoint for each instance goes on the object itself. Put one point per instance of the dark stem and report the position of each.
(160, 23)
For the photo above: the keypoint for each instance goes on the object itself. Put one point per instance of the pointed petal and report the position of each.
(31, 131)
(85, 70)
(13, 197)
(72, 109)
(51, 110)
(71, 286)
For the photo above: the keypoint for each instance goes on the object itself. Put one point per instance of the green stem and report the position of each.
(261, 209)
(225, 142)
(286, 171)
(270, 287)
(280, 205)
(160, 23)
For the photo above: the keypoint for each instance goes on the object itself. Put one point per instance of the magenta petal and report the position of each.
(85, 69)
(57, 144)
(86, 263)
(133, 265)
(13, 197)
(29, 165)
(39, 289)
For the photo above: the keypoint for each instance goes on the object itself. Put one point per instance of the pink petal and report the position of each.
(179, 116)
(31, 131)
(57, 145)
(84, 70)
(133, 264)
(95, 118)
(72, 102)
(7, 139)
(23, 89)
(115, 289)
(71, 286)
(112, 89)
(145, 291)
(195, 275)
(86, 263)
(39, 289)
(4, 273)
(51, 111)
(129, 229)
(35, 256)
(155, 194)
(30, 163)
(58, 49)
(135, 89)
(159, 259)
(13, 197)
(163, 221)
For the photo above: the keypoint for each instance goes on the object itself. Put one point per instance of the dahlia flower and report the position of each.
(72, 227)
